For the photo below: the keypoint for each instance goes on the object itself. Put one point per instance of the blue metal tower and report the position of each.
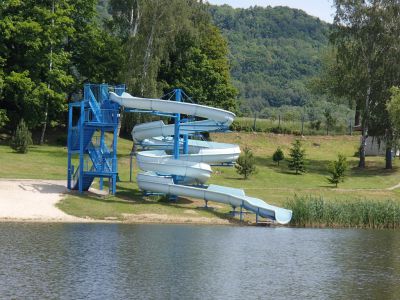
(89, 154)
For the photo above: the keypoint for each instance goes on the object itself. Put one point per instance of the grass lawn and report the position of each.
(274, 184)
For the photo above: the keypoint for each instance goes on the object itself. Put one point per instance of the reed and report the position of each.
(357, 213)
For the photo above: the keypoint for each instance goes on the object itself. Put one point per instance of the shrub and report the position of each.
(278, 155)
(22, 138)
(297, 156)
(337, 170)
(315, 124)
(245, 165)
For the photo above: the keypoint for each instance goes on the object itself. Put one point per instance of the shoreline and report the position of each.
(35, 200)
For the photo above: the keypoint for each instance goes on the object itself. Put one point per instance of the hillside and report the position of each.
(274, 51)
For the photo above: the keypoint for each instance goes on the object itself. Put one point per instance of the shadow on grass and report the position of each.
(134, 196)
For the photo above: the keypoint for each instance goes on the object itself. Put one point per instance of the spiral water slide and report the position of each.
(191, 170)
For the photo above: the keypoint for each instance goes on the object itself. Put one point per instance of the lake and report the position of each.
(116, 261)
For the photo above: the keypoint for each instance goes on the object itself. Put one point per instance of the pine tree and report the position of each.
(245, 165)
(278, 155)
(337, 170)
(297, 156)
(22, 138)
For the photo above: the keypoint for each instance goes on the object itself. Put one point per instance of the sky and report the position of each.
(318, 8)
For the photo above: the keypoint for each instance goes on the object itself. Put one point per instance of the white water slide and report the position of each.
(194, 167)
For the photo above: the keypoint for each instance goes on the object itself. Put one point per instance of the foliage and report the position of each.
(278, 155)
(274, 52)
(393, 108)
(48, 49)
(365, 66)
(3, 117)
(330, 121)
(245, 165)
(297, 156)
(361, 213)
(337, 170)
(22, 138)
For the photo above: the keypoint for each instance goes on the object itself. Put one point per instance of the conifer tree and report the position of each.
(245, 165)
(337, 170)
(297, 156)
(278, 155)
(22, 138)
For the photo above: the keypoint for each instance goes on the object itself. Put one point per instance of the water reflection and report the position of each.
(104, 261)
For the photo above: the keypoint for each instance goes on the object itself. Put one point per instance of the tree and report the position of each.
(3, 117)
(35, 63)
(337, 170)
(22, 138)
(198, 62)
(245, 165)
(365, 35)
(393, 109)
(330, 121)
(297, 156)
(278, 155)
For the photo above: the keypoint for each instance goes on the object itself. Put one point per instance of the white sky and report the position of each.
(318, 8)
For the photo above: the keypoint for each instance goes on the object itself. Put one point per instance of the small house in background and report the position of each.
(376, 147)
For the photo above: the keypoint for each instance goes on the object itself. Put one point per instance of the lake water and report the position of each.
(106, 261)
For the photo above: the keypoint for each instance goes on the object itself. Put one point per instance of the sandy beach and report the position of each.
(33, 200)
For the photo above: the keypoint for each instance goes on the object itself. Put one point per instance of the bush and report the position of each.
(337, 170)
(315, 125)
(62, 140)
(245, 165)
(22, 138)
(278, 155)
(297, 156)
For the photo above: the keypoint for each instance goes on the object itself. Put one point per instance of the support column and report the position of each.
(81, 150)
(186, 140)
(69, 145)
(241, 212)
(114, 161)
(257, 214)
(178, 98)
(102, 159)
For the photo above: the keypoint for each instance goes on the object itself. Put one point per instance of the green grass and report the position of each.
(118, 207)
(41, 162)
(274, 184)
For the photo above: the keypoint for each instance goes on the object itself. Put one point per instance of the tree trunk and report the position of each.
(46, 111)
(361, 163)
(146, 60)
(389, 164)
(357, 116)
(44, 124)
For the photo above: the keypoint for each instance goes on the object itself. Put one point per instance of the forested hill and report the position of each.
(274, 51)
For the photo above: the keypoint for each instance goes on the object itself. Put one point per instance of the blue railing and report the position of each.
(108, 116)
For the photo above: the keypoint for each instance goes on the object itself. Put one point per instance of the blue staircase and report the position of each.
(96, 159)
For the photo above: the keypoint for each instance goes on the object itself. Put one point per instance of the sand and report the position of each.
(33, 200)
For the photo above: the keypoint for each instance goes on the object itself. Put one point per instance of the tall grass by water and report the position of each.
(359, 213)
